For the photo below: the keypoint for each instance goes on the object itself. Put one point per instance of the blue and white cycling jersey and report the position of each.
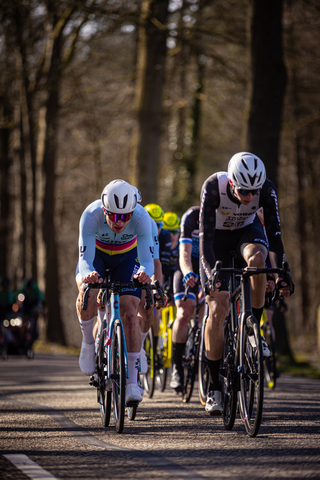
(95, 233)
(189, 229)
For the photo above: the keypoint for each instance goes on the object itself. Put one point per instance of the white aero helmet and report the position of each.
(246, 171)
(119, 197)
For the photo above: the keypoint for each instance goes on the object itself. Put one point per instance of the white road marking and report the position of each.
(28, 467)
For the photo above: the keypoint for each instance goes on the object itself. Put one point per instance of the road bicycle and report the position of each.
(241, 372)
(191, 354)
(111, 354)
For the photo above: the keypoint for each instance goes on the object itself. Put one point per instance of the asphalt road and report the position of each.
(49, 415)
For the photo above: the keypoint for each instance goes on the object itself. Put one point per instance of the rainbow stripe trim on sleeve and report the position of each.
(112, 249)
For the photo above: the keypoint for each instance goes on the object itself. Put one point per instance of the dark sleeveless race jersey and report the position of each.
(221, 210)
(189, 229)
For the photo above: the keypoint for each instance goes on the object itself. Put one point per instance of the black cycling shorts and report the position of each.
(226, 241)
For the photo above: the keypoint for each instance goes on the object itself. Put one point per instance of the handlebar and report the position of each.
(250, 271)
(117, 286)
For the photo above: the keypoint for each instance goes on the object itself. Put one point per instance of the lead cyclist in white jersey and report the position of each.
(115, 235)
(228, 222)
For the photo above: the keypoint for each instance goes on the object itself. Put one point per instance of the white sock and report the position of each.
(143, 336)
(86, 329)
(133, 366)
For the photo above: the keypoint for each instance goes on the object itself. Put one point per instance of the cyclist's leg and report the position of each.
(86, 320)
(145, 318)
(253, 247)
(218, 306)
(128, 309)
(254, 250)
(185, 310)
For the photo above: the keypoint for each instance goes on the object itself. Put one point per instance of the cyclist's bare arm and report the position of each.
(185, 261)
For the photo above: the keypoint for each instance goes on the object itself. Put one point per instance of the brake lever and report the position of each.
(215, 274)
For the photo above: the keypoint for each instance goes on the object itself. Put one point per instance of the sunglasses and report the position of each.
(244, 192)
(174, 232)
(159, 224)
(115, 217)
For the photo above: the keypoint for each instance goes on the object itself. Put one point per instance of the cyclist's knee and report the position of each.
(219, 308)
(255, 256)
(184, 314)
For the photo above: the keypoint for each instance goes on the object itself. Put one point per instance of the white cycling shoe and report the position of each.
(133, 393)
(265, 349)
(87, 361)
(214, 403)
(143, 361)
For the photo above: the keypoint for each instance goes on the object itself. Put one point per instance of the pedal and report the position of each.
(132, 404)
(94, 381)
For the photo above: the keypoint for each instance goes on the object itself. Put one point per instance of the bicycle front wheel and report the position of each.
(118, 375)
(203, 369)
(190, 363)
(251, 375)
(148, 379)
(104, 397)
(228, 377)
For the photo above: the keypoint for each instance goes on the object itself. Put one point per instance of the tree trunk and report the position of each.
(54, 331)
(150, 80)
(267, 84)
(5, 121)
(21, 14)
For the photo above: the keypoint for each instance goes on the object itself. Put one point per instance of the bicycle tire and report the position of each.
(251, 376)
(228, 376)
(148, 379)
(203, 369)
(270, 365)
(118, 375)
(190, 363)
(104, 397)
(132, 412)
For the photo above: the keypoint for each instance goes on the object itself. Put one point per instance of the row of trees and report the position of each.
(161, 93)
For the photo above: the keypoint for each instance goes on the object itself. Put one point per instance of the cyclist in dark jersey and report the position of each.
(187, 273)
(171, 225)
(228, 222)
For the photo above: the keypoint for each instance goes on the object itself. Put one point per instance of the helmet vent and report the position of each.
(125, 200)
(244, 163)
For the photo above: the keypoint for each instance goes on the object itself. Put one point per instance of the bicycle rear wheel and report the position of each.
(228, 378)
(104, 397)
(270, 368)
(203, 369)
(118, 375)
(251, 376)
(148, 379)
(190, 363)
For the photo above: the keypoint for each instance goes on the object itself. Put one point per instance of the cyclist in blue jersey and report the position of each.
(114, 234)
(228, 222)
(187, 273)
